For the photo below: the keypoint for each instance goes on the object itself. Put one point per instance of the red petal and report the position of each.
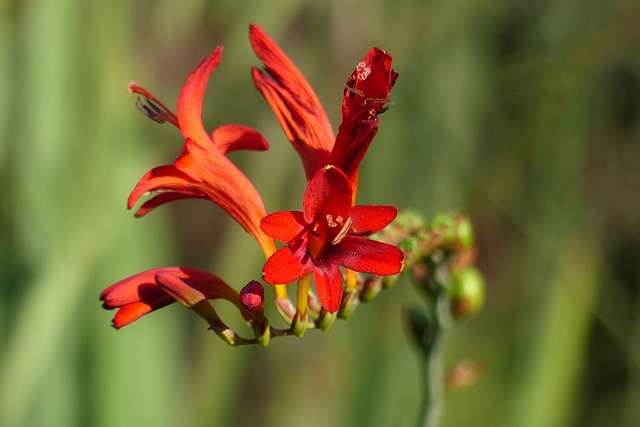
(288, 264)
(224, 184)
(367, 256)
(162, 198)
(162, 178)
(293, 101)
(132, 312)
(328, 282)
(230, 138)
(353, 141)
(139, 287)
(329, 192)
(283, 226)
(139, 294)
(191, 96)
(367, 220)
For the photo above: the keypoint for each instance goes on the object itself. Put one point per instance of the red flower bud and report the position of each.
(252, 296)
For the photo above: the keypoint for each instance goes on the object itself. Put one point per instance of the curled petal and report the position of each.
(283, 226)
(162, 198)
(293, 101)
(367, 220)
(328, 282)
(229, 138)
(162, 178)
(288, 264)
(367, 256)
(191, 96)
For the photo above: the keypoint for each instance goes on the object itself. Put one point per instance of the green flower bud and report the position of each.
(371, 288)
(350, 301)
(325, 320)
(300, 323)
(409, 220)
(464, 230)
(466, 293)
(454, 228)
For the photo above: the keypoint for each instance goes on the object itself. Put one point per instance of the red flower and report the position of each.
(143, 293)
(328, 233)
(302, 117)
(202, 170)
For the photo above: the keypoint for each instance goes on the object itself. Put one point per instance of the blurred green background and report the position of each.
(525, 114)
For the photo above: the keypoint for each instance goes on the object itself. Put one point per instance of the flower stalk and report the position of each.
(439, 257)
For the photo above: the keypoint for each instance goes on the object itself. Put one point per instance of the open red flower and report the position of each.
(329, 232)
(202, 170)
(302, 117)
(143, 293)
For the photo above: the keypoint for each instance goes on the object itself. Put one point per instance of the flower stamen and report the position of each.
(151, 107)
(343, 232)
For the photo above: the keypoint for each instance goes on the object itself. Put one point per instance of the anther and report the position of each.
(155, 112)
(151, 107)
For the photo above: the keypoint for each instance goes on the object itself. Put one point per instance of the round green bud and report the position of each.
(444, 225)
(466, 293)
(465, 232)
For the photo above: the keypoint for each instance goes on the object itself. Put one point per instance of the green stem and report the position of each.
(432, 380)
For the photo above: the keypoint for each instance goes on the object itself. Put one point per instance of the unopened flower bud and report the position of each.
(444, 226)
(454, 229)
(252, 296)
(350, 301)
(464, 231)
(300, 323)
(325, 320)
(371, 288)
(466, 293)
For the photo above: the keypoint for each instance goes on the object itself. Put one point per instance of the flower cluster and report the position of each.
(327, 241)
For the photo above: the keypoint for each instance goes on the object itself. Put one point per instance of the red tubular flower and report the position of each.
(302, 117)
(202, 170)
(141, 294)
(328, 233)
